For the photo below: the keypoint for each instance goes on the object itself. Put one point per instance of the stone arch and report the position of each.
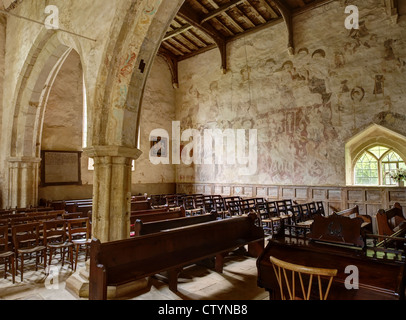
(123, 77)
(371, 136)
(114, 134)
(34, 84)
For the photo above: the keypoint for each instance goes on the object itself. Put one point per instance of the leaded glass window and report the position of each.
(374, 165)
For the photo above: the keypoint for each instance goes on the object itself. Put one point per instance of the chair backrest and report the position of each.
(199, 201)
(4, 244)
(218, 203)
(286, 272)
(297, 213)
(26, 235)
(248, 205)
(54, 231)
(234, 208)
(320, 208)
(208, 203)
(189, 202)
(272, 208)
(79, 228)
(75, 215)
(304, 208)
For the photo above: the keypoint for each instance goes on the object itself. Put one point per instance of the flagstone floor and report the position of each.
(237, 282)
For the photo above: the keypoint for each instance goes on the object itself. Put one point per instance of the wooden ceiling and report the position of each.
(202, 25)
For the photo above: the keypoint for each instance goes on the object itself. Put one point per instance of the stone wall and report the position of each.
(63, 129)
(306, 106)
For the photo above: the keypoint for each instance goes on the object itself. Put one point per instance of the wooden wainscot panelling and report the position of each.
(288, 193)
(301, 194)
(207, 190)
(334, 195)
(355, 195)
(319, 194)
(248, 192)
(273, 192)
(262, 192)
(218, 190)
(238, 191)
(226, 191)
(397, 196)
(199, 189)
(375, 196)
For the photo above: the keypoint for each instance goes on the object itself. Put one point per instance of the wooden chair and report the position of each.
(6, 254)
(208, 204)
(80, 235)
(248, 205)
(191, 209)
(284, 210)
(320, 208)
(286, 277)
(26, 240)
(219, 205)
(272, 221)
(55, 237)
(234, 208)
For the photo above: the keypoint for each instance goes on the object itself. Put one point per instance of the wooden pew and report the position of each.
(157, 216)
(120, 262)
(140, 205)
(354, 213)
(142, 229)
(390, 221)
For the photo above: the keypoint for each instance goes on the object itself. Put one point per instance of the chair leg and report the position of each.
(77, 256)
(50, 255)
(22, 267)
(13, 271)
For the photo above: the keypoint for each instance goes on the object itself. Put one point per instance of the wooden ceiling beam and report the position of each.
(177, 31)
(288, 17)
(187, 13)
(221, 9)
(172, 62)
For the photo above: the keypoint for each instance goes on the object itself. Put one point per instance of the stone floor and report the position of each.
(238, 282)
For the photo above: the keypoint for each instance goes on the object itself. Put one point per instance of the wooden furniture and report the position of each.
(354, 213)
(6, 253)
(191, 206)
(142, 229)
(269, 217)
(159, 215)
(26, 241)
(56, 238)
(390, 221)
(336, 242)
(287, 273)
(79, 233)
(120, 262)
(140, 205)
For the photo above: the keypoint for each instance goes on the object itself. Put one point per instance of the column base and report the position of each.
(78, 285)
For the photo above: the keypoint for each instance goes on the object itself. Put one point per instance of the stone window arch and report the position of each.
(371, 154)
(373, 166)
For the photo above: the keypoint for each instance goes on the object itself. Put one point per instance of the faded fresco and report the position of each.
(306, 106)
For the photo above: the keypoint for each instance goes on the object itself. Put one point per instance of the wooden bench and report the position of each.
(154, 215)
(390, 221)
(120, 262)
(142, 229)
(354, 213)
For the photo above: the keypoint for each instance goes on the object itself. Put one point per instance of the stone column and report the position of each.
(112, 191)
(23, 181)
(111, 211)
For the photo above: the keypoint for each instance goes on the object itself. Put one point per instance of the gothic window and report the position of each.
(374, 165)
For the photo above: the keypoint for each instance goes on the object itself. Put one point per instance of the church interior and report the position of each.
(202, 149)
